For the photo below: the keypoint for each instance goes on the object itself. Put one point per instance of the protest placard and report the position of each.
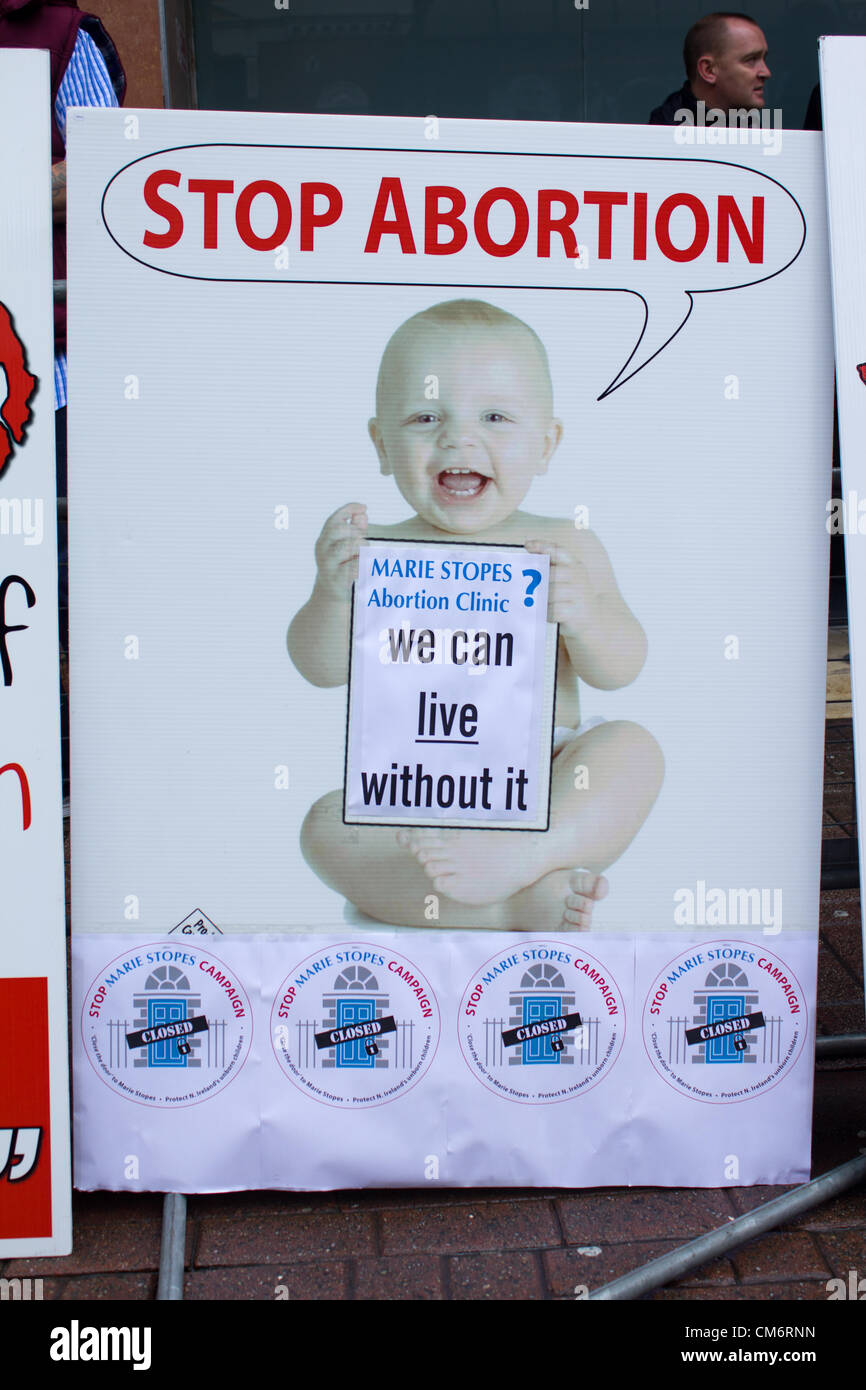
(35, 1188)
(308, 348)
(841, 77)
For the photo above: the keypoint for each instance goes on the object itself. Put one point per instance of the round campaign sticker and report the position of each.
(542, 1023)
(355, 1025)
(166, 1025)
(724, 1021)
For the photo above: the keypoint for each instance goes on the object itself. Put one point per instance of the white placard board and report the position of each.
(378, 998)
(35, 1187)
(841, 78)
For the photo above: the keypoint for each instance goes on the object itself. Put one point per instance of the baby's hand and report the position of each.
(337, 550)
(572, 600)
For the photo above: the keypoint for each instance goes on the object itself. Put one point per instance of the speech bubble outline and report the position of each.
(619, 379)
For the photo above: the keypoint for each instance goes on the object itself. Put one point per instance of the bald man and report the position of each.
(725, 55)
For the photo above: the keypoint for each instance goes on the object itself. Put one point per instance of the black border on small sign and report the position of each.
(438, 825)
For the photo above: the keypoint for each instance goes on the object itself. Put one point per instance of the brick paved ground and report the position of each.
(508, 1244)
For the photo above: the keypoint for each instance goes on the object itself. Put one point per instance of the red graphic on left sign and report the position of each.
(25, 1151)
(15, 412)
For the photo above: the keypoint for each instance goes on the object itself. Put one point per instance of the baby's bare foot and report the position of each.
(475, 867)
(587, 889)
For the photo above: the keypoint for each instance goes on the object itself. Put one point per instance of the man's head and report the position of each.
(726, 61)
(464, 414)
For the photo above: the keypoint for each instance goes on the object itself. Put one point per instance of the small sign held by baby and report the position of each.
(451, 685)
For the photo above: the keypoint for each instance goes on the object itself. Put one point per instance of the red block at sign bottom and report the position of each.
(25, 1157)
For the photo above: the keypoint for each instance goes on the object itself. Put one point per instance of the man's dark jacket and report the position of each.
(683, 100)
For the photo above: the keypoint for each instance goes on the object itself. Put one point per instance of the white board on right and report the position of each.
(843, 64)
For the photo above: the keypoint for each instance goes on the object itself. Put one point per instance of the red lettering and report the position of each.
(210, 190)
(310, 219)
(25, 791)
(729, 213)
(521, 222)
(605, 203)
(436, 217)
(658, 999)
(242, 215)
(702, 227)
(547, 223)
(172, 215)
(640, 226)
(390, 191)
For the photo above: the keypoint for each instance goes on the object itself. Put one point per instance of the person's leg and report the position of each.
(593, 820)
(367, 865)
(519, 880)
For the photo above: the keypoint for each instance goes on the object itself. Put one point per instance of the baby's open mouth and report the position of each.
(461, 483)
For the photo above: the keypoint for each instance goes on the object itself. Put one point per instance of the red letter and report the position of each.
(172, 215)
(640, 226)
(399, 225)
(310, 218)
(729, 212)
(242, 215)
(211, 188)
(547, 224)
(25, 790)
(521, 222)
(702, 227)
(605, 202)
(435, 217)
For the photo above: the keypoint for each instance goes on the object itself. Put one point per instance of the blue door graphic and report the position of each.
(720, 1006)
(165, 1053)
(354, 1053)
(538, 1050)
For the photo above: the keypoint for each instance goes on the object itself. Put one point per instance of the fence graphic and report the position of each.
(207, 1049)
(580, 1046)
(764, 1045)
(396, 1050)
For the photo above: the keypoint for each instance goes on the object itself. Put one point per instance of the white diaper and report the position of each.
(563, 735)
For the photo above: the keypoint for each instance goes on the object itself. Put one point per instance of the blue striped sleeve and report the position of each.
(85, 82)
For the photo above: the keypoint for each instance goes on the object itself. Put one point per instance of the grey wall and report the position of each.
(512, 59)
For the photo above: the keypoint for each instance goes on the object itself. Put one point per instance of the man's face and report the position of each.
(740, 67)
(465, 458)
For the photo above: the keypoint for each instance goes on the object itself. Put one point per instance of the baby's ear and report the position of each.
(552, 436)
(376, 436)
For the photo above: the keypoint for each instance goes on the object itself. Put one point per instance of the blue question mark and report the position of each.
(534, 576)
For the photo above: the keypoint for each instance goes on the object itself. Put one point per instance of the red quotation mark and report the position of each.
(25, 1117)
(19, 1151)
(15, 412)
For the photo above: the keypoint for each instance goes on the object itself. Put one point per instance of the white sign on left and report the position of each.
(35, 1185)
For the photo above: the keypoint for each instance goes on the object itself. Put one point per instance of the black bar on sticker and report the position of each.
(356, 1032)
(167, 1032)
(541, 1028)
(724, 1027)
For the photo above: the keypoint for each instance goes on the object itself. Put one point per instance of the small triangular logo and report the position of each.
(196, 924)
